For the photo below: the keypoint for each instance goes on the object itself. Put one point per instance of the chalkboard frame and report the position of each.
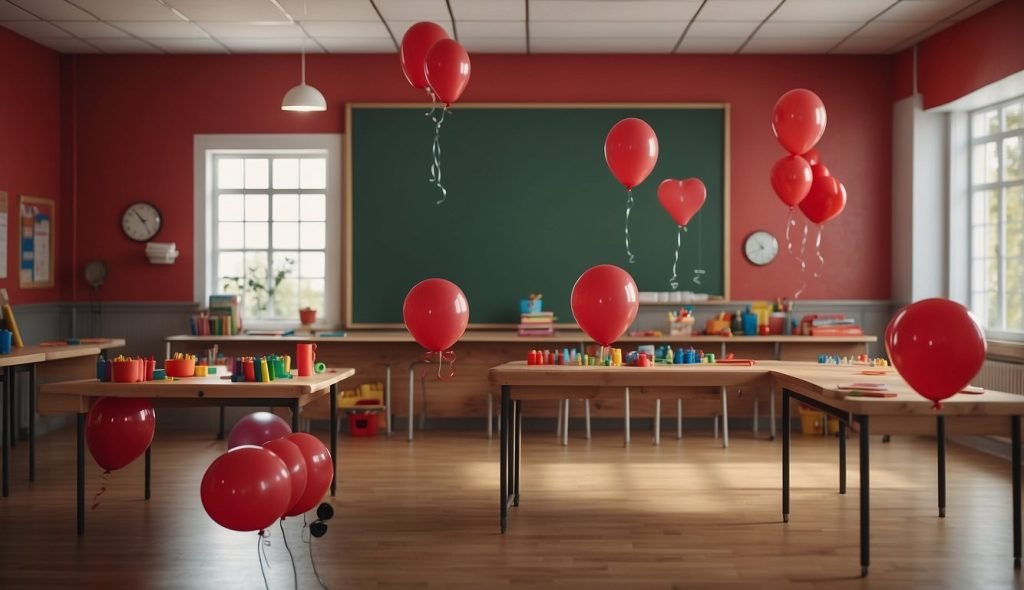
(348, 196)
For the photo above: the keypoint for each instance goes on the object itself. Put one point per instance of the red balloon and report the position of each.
(447, 70)
(436, 313)
(604, 302)
(320, 470)
(812, 156)
(292, 457)
(682, 198)
(631, 150)
(258, 428)
(819, 170)
(825, 201)
(118, 430)
(937, 346)
(791, 179)
(416, 42)
(798, 120)
(246, 489)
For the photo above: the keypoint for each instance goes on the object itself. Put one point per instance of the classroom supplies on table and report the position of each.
(181, 365)
(305, 354)
(681, 323)
(829, 325)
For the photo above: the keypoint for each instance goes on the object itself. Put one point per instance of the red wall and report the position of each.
(30, 140)
(137, 116)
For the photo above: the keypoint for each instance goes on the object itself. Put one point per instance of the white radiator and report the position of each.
(1001, 376)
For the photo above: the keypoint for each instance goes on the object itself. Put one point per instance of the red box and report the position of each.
(362, 423)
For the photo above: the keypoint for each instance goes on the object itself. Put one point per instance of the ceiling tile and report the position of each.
(925, 10)
(91, 30)
(222, 30)
(53, 9)
(859, 44)
(414, 10)
(358, 45)
(613, 10)
(69, 46)
(489, 9)
(701, 28)
(481, 30)
(272, 45)
(162, 30)
(742, 10)
(830, 10)
(9, 11)
(973, 9)
(781, 30)
(36, 29)
(349, 10)
(892, 29)
(804, 45)
(337, 29)
(124, 46)
(122, 10)
(710, 45)
(189, 45)
(399, 27)
(574, 30)
(618, 45)
(494, 44)
(252, 11)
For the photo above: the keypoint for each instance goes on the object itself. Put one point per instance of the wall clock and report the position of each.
(141, 221)
(761, 248)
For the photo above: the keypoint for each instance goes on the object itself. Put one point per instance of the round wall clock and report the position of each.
(141, 221)
(761, 248)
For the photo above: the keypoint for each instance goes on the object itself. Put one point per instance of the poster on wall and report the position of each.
(36, 217)
(3, 235)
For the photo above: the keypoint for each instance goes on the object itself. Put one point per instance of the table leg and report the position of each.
(490, 415)
(771, 413)
(517, 453)
(387, 399)
(220, 424)
(558, 420)
(627, 418)
(842, 457)
(586, 415)
(785, 456)
(295, 415)
(865, 500)
(657, 421)
(679, 418)
(757, 414)
(1015, 471)
(940, 442)
(725, 419)
(149, 471)
(412, 392)
(565, 424)
(503, 463)
(13, 416)
(334, 437)
(80, 474)
(6, 435)
(32, 422)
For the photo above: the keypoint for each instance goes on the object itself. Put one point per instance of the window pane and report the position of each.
(311, 293)
(286, 207)
(314, 173)
(985, 208)
(255, 300)
(256, 207)
(1015, 311)
(230, 236)
(1014, 198)
(286, 173)
(985, 241)
(313, 208)
(985, 162)
(286, 235)
(1013, 117)
(1013, 169)
(985, 305)
(257, 173)
(286, 300)
(229, 173)
(992, 304)
(229, 264)
(286, 261)
(312, 265)
(312, 236)
(977, 274)
(1014, 240)
(230, 208)
(256, 235)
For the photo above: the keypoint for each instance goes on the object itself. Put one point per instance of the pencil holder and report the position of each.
(123, 371)
(180, 367)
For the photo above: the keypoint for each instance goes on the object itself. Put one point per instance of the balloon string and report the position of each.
(679, 240)
(937, 405)
(433, 103)
(435, 167)
(309, 541)
(698, 271)
(447, 356)
(800, 258)
(817, 252)
(284, 537)
(260, 556)
(103, 488)
(629, 208)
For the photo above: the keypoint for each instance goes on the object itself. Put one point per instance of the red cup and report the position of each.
(150, 367)
(305, 354)
(122, 371)
(249, 370)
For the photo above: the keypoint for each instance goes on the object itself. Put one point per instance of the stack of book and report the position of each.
(541, 323)
(831, 325)
(224, 318)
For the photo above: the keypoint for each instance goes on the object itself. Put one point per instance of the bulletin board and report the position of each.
(36, 220)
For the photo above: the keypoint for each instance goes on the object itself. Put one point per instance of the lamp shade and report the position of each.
(304, 98)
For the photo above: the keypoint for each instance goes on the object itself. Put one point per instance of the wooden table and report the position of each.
(10, 363)
(991, 413)
(78, 396)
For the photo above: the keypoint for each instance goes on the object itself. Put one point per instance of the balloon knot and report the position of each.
(937, 406)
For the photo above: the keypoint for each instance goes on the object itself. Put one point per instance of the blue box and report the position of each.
(531, 305)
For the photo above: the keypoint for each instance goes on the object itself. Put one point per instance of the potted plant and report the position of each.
(307, 316)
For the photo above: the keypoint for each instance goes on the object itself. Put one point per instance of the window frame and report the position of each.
(206, 148)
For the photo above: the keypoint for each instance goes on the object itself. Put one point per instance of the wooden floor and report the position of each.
(594, 515)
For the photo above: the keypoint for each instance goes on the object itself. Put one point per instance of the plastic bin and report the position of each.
(362, 423)
(812, 421)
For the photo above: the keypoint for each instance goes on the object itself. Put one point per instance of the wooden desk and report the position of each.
(10, 363)
(811, 384)
(78, 396)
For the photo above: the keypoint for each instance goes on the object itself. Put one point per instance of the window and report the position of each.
(997, 216)
(270, 226)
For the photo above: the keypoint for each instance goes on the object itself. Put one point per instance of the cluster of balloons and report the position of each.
(434, 62)
(937, 346)
(118, 430)
(801, 179)
(268, 473)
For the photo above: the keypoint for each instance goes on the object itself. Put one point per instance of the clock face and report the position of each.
(761, 248)
(140, 221)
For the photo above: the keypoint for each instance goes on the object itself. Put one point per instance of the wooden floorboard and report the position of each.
(594, 515)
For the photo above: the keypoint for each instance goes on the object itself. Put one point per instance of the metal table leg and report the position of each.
(771, 412)
(865, 501)
(558, 420)
(657, 421)
(679, 418)
(6, 443)
(32, 422)
(725, 420)
(490, 415)
(940, 442)
(334, 438)
(503, 461)
(80, 474)
(842, 457)
(565, 424)
(586, 415)
(149, 471)
(757, 414)
(220, 428)
(412, 391)
(387, 399)
(13, 416)
(1015, 472)
(785, 456)
(627, 418)
(517, 445)
(295, 415)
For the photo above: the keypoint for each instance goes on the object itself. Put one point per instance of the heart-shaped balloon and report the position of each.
(825, 200)
(682, 198)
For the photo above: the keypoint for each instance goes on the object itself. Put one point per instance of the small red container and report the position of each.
(123, 372)
(150, 367)
(180, 367)
(362, 423)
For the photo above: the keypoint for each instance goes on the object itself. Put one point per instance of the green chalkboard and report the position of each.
(531, 205)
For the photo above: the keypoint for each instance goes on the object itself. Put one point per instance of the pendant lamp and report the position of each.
(304, 98)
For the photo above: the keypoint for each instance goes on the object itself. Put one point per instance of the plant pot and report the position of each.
(307, 316)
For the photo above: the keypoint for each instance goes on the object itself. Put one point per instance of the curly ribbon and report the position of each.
(103, 488)
(435, 167)
(309, 541)
(679, 240)
(817, 252)
(790, 224)
(262, 541)
(629, 208)
(284, 537)
(698, 271)
(446, 356)
(433, 103)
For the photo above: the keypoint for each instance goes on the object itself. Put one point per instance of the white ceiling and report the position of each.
(485, 26)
